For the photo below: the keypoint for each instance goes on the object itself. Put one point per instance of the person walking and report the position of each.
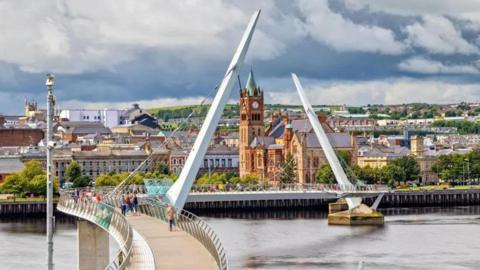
(135, 204)
(124, 205)
(128, 202)
(171, 216)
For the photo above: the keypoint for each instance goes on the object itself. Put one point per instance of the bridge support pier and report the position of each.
(93, 246)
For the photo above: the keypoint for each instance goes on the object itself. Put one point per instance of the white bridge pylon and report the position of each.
(332, 158)
(178, 193)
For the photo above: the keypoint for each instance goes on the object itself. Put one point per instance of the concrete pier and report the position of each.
(93, 246)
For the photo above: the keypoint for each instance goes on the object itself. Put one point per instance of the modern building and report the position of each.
(108, 117)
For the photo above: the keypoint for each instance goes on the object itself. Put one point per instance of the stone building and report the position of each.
(263, 150)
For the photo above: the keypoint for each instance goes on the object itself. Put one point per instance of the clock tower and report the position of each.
(251, 123)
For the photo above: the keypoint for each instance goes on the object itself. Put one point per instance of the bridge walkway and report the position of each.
(171, 250)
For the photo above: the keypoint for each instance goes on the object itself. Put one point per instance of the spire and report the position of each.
(251, 85)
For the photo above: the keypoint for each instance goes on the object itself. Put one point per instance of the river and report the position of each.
(421, 238)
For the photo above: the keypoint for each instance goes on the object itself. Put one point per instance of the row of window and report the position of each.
(62, 164)
(177, 161)
(87, 117)
(217, 163)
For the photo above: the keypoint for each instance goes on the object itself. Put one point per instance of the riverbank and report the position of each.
(399, 198)
(403, 198)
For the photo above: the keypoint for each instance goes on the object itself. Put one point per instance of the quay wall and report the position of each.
(24, 208)
(215, 201)
(390, 200)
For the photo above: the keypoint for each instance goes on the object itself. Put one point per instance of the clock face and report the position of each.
(255, 105)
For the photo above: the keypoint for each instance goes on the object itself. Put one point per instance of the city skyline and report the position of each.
(367, 52)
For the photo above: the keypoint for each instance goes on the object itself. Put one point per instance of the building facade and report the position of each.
(262, 150)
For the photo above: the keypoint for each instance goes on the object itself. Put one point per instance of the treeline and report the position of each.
(458, 167)
(398, 170)
(31, 180)
(463, 127)
(165, 114)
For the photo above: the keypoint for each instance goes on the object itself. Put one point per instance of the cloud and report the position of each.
(338, 32)
(415, 7)
(437, 34)
(427, 66)
(387, 91)
(71, 37)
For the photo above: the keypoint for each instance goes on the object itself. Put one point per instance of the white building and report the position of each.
(108, 117)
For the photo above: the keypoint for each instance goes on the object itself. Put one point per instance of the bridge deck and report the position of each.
(171, 250)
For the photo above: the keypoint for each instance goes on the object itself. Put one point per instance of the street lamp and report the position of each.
(50, 145)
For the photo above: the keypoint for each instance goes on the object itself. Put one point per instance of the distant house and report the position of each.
(146, 120)
(9, 165)
(71, 131)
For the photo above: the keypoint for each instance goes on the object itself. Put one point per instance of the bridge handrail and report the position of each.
(193, 225)
(107, 218)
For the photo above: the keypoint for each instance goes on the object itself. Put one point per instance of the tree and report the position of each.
(409, 165)
(14, 184)
(288, 170)
(324, 175)
(32, 168)
(73, 171)
(81, 181)
(162, 168)
(106, 180)
(38, 185)
(396, 173)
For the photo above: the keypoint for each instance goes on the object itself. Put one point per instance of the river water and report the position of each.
(421, 238)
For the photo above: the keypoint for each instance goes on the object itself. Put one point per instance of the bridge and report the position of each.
(144, 241)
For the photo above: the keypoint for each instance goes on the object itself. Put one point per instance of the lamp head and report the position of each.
(50, 79)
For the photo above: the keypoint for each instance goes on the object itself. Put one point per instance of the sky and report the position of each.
(112, 53)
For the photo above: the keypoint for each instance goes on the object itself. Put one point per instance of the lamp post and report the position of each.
(50, 144)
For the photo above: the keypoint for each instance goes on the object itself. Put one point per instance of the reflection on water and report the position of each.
(24, 243)
(412, 238)
(421, 238)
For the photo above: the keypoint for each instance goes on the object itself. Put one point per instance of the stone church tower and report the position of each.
(251, 122)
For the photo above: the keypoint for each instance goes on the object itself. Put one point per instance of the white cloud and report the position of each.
(338, 32)
(427, 66)
(438, 35)
(415, 7)
(388, 91)
(85, 36)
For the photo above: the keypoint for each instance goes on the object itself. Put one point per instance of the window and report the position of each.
(211, 163)
(315, 162)
(223, 163)
(205, 163)
(217, 163)
(230, 162)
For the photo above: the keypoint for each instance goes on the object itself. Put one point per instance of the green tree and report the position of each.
(81, 181)
(162, 168)
(73, 171)
(38, 185)
(324, 175)
(32, 168)
(409, 165)
(14, 184)
(288, 170)
(396, 173)
(106, 180)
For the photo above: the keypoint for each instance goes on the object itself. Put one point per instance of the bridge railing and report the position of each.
(191, 224)
(287, 187)
(105, 216)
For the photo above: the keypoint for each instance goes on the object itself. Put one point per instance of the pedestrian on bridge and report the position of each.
(171, 216)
